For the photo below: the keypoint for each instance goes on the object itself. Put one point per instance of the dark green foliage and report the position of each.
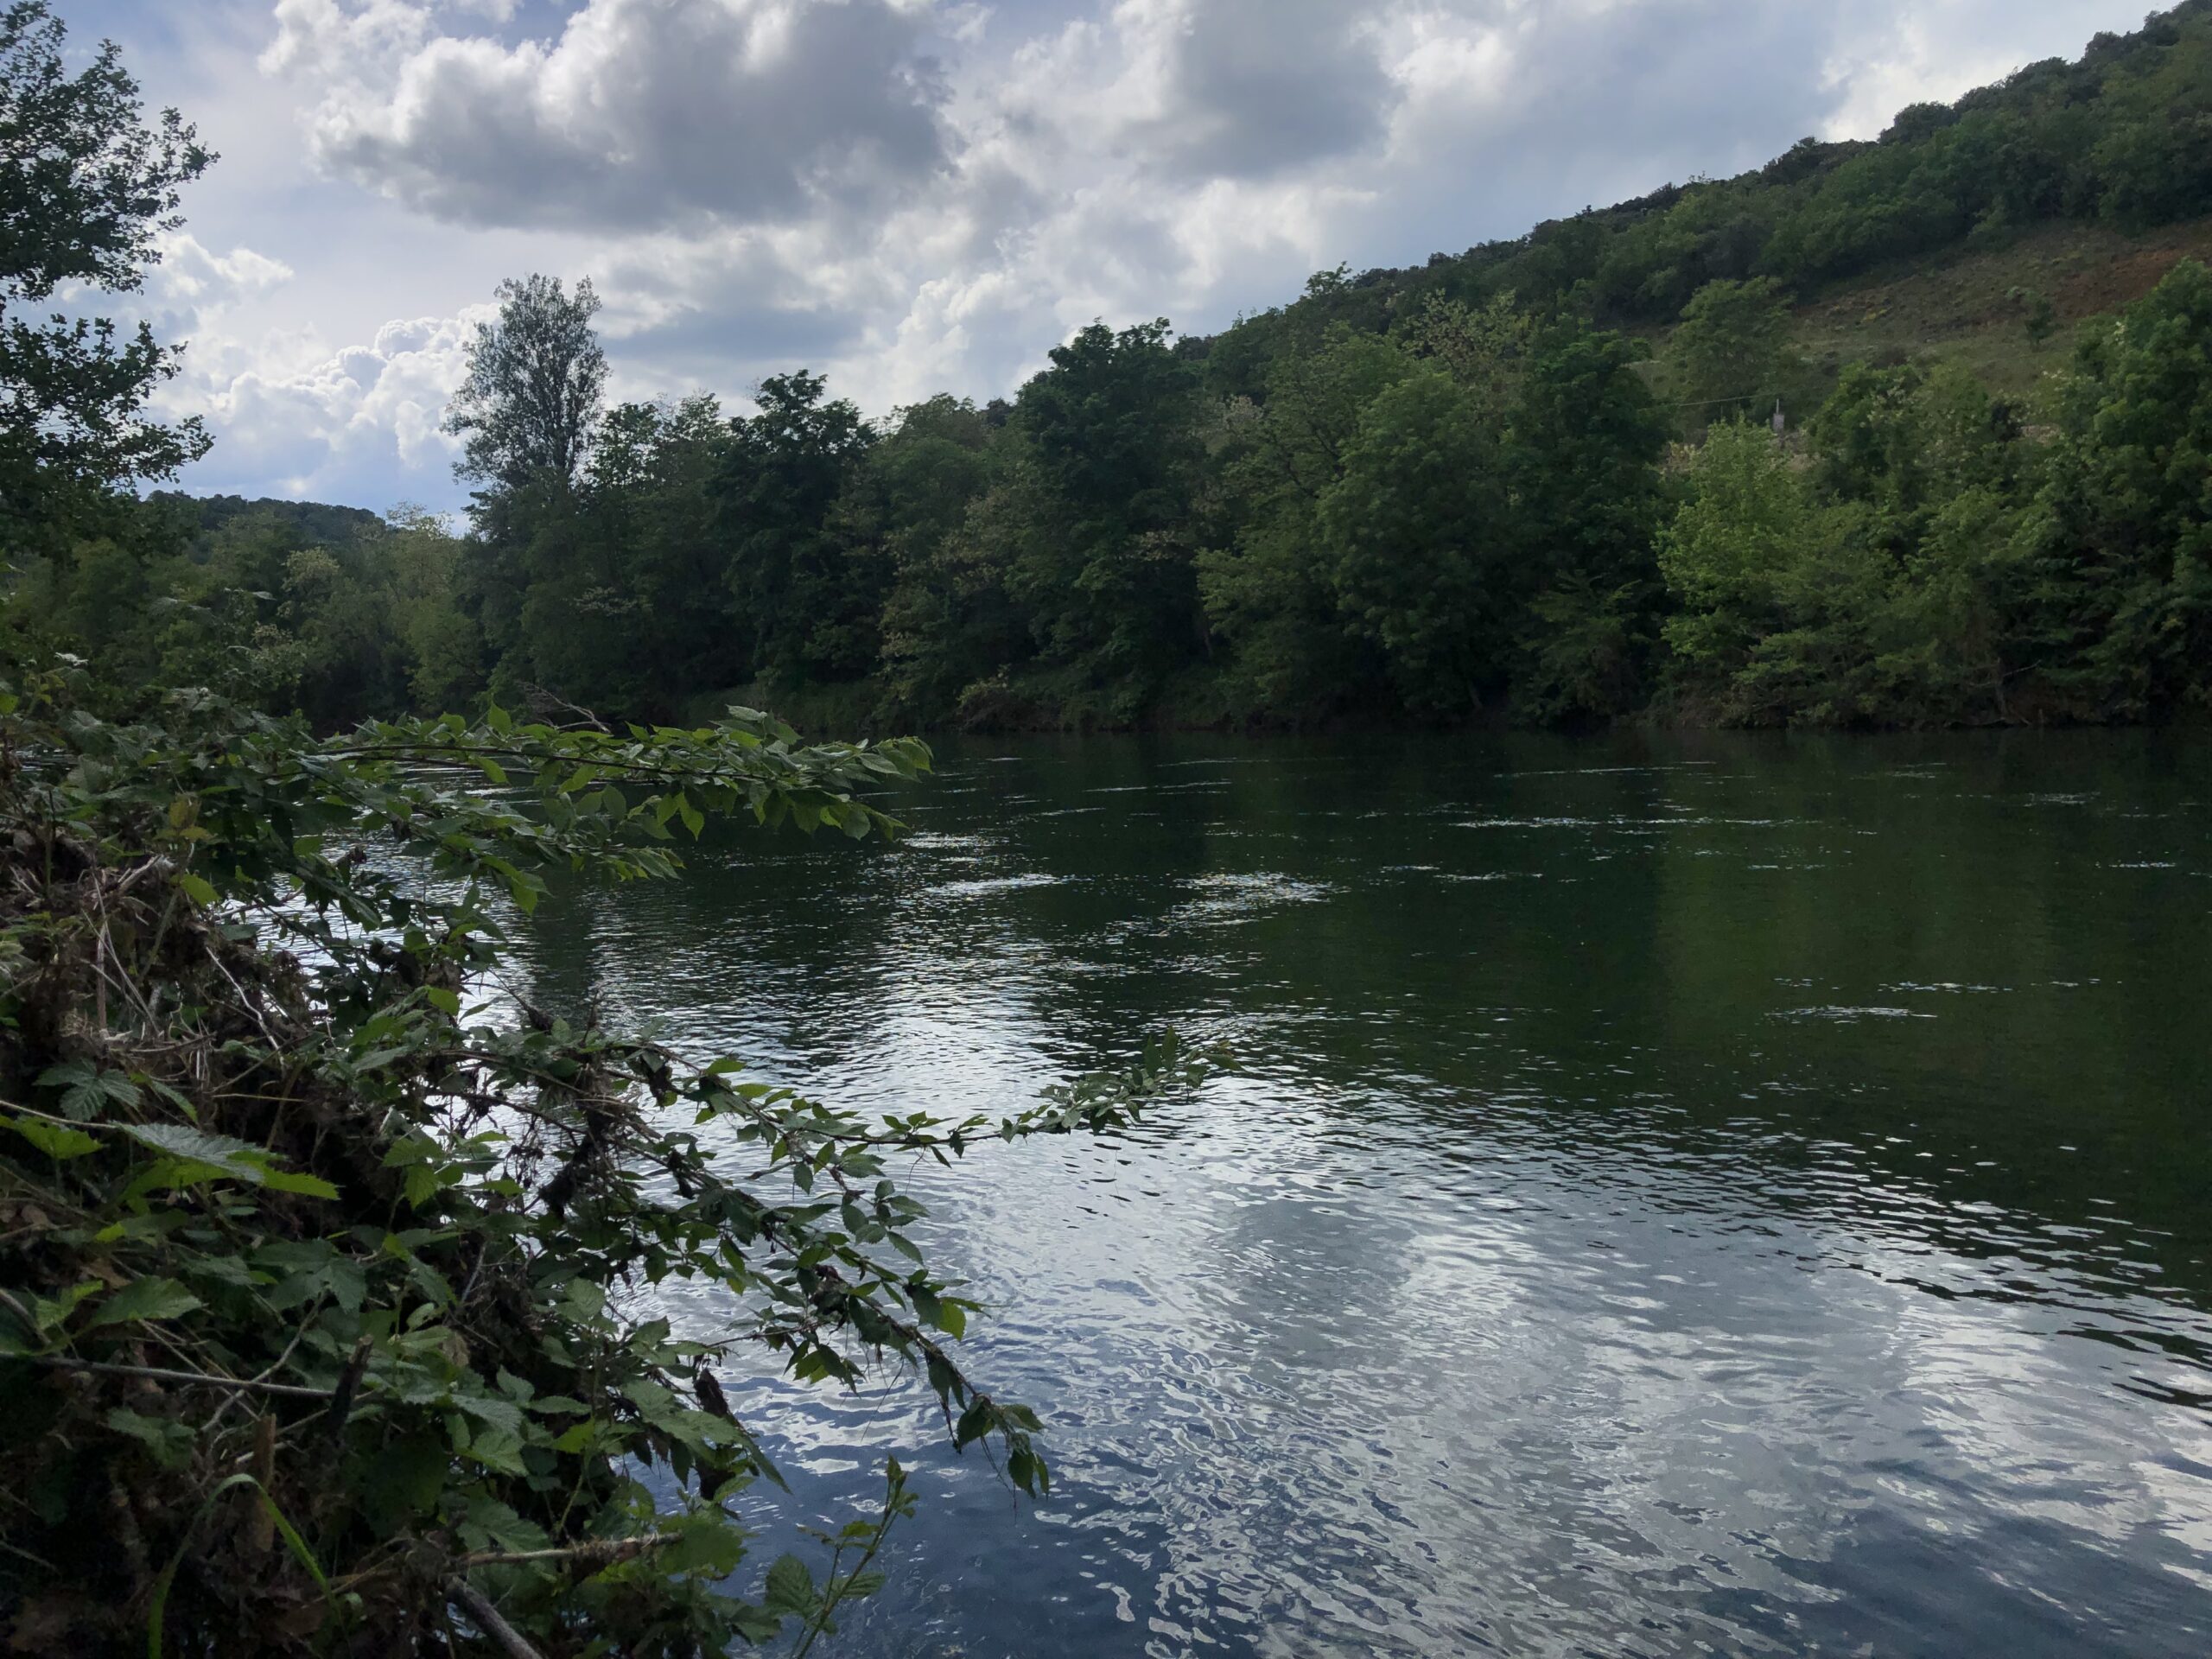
(316, 524)
(948, 622)
(2038, 316)
(806, 600)
(1582, 459)
(313, 1232)
(1416, 537)
(1106, 470)
(369, 621)
(1266, 590)
(595, 590)
(1869, 588)
(1731, 356)
(2120, 537)
(87, 190)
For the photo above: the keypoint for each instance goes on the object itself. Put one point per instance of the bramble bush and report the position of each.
(320, 1254)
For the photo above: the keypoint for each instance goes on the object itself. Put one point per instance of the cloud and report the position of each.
(1935, 53)
(921, 195)
(638, 113)
(293, 415)
(1252, 88)
(359, 423)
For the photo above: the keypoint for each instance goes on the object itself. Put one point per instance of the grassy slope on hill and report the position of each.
(1961, 308)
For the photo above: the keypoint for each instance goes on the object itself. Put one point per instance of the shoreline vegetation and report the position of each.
(1537, 483)
(331, 1261)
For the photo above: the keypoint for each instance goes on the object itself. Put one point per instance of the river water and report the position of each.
(1678, 1195)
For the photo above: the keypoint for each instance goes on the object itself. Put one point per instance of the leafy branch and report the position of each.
(292, 1191)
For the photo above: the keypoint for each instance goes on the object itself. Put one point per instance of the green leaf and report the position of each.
(85, 1089)
(497, 1450)
(577, 1438)
(52, 1139)
(169, 1443)
(48, 1314)
(220, 1152)
(146, 1298)
(790, 1588)
(197, 889)
(285, 1180)
(973, 1423)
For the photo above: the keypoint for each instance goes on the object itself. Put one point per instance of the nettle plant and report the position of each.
(314, 1260)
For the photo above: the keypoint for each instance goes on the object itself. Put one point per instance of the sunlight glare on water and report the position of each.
(1708, 1195)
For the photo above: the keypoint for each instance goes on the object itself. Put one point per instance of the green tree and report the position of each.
(1581, 456)
(1731, 351)
(1485, 348)
(805, 599)
(2119, 540)
(87, 189)
(948, 620)
(528, 403)
(1103, 555)
(2038, 316)
(1272, 593)
(1749, 517)
(444, 648)
(1422, 546)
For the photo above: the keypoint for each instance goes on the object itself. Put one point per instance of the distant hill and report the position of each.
(314, 522)
(2068, 180)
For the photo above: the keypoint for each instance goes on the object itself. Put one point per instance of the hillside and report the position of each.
(2080, 178)
(316, 523)
(1971, 307)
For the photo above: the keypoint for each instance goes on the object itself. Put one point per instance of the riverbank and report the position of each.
(1200, 702)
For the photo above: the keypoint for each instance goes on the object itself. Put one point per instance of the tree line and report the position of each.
(1537, 482)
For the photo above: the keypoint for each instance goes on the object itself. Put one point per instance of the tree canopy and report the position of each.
(87, 187)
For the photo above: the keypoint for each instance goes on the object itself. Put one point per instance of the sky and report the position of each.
(913, 196)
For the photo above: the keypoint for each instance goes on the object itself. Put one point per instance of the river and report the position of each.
(1741, 1195)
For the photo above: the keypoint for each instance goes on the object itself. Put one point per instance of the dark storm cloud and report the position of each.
(644, 114)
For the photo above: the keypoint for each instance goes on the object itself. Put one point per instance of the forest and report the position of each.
(1537, 482)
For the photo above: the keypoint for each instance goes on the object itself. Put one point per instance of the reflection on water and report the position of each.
(1710, 1196)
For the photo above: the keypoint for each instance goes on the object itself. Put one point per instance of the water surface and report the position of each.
(1679, 1197)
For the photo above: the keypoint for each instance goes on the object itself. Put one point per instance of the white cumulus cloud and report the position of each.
(923, 195)
(636, 112)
